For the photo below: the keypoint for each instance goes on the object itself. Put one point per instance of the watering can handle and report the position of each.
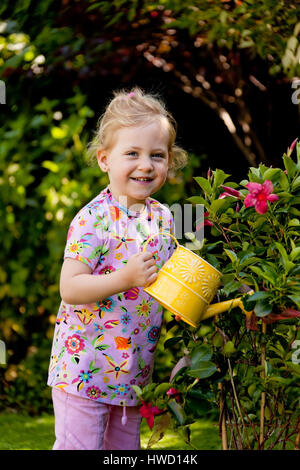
(160, 233)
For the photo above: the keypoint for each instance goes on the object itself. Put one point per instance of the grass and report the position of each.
(19, 432)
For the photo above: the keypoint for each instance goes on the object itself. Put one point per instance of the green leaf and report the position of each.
(294, 211)
(268, 368)
(229, 348)
(295, 299)
(221, 204)
(298, 151)
(262, 274)
(161, 389)
(197, 200)
(296, 183)
(294, 223)
(259, 296)
(204, 184)
(231, 287)
(172, 341)
(161, 424)
(137, 390)
(177, 411)
(283, 181)
(295, 253)
(272, 174)
(288, 265)
(280, 380)
(290, 166)
(204, 369)
(217, 340)
(231, 255)
(219, 178)
(200, 354)
(295, 368)
(262, 308)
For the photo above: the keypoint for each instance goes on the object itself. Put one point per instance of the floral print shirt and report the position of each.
(101, 349)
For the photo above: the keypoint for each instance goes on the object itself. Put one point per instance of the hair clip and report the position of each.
(131, 94)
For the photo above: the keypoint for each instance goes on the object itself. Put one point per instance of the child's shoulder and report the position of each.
(93, 207)
(163, 209)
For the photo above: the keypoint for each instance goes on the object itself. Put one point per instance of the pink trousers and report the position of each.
(82, 424)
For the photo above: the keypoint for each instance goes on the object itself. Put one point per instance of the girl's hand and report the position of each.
(141, 269)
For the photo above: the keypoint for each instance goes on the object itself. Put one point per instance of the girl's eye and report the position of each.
(158, 155)
(132, 153)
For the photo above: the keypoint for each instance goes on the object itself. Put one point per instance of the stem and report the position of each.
(285, 438)
(225, 236)
(263, 394)
(297, 442)
(232, 436)
(280, 432)
(238, 403)
(238, 435)
(222, 418)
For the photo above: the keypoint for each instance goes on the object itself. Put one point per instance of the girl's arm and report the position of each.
(78, 286)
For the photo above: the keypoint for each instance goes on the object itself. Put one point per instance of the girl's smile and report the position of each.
(137, 162)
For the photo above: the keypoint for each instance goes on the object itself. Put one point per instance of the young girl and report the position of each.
(107, 326)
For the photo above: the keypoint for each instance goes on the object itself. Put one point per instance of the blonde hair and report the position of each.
(132, 109)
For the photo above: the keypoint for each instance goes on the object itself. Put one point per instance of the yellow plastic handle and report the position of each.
(160, 233)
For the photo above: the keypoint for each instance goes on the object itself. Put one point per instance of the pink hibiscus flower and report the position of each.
(148, 412)
(259, 195)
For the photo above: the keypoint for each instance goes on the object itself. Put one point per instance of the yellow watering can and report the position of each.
(186, 284)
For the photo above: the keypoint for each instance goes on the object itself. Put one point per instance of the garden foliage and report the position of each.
(245, 365)
(59, 61)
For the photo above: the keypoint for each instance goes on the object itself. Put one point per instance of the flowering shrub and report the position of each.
(244, 366)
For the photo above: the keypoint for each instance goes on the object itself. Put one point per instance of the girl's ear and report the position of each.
(102, 160)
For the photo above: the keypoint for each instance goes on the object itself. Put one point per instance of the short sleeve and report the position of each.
(85, 239)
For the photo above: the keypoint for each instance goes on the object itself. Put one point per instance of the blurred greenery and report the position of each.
(225, 69)
(19, 432)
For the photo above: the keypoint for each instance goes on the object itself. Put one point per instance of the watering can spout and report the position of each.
(221, 307)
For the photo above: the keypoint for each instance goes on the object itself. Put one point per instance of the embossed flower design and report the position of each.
(193, 271)
(209, 285)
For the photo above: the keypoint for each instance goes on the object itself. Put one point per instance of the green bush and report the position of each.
(242, 362)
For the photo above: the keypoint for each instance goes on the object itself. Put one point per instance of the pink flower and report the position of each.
(258, 196)
(229, 192)
(205, 222)
(291, 148)
(173, 392)
(148, 412)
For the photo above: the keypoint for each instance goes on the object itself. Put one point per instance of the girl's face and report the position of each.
(136, 152)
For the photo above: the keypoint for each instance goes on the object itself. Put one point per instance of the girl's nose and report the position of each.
(145, 163)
